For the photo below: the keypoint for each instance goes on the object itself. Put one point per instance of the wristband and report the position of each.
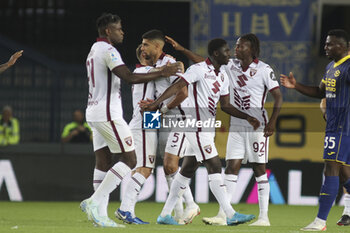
(164, 109)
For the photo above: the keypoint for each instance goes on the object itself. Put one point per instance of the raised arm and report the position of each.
(11, 61)
(165, 71)
(312, 91)
(231, 110)
(270, 127)
(188, 53)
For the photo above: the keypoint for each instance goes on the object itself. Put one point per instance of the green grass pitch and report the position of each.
(66, 217)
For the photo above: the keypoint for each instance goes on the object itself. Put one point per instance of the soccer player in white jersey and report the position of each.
(145, 145)
(250, 81)
(170, 144)
(207, 86)
(104, 114)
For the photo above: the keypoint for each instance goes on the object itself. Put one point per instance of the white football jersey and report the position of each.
(207, 86)
(161, 84)
(104, 101)
(248, 89)
(140, 92)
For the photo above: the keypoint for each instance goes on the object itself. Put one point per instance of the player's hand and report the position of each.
(269, 129)
(174, 43)
(81, 128)
(171, 69)
(14, 57)
(288, 81)
(254, 122)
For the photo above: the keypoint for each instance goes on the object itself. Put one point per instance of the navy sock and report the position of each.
(347, 185)
(328, 194)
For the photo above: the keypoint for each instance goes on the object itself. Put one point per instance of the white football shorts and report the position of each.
(247, 144)
(201, 144)
(145, 147)
(115, 134)
(176, 144)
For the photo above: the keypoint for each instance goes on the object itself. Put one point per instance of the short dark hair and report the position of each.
(254, 43)
(340, 33)
(154, 35)
(215, 44)
(104, 20)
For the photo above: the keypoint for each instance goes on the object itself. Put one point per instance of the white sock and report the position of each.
(188, 197)
(131, 193)
(218, 189)
(112, 179)
(97, 180)
(178, 187)
(178, 207)
(263, 194)
(230, 181)
(346, 204)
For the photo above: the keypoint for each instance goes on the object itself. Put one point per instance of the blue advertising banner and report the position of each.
(285, 28)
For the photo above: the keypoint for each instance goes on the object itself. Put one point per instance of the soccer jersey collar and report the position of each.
(341, 61)
(254, 64)
(211, 66)
(102, 39)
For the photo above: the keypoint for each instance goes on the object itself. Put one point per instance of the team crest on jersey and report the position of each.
(222, 77)
(152, 158)
(336, 73)
(208, 149)
(128, 141)
(252, 72)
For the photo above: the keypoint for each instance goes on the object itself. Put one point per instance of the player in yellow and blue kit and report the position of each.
(335, 86)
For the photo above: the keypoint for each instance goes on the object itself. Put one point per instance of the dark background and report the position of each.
(64, 30)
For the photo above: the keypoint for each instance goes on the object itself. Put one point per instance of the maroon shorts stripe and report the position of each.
(181, 144)
(200, 146)
(97, 181)
(116, 173)
(117, 136)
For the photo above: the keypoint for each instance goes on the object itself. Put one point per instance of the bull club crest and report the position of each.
(152, 158)
(128, 141)
(208, 149)
(252, 72)
(222, 77)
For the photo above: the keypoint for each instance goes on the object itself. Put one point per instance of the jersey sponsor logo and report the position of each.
(128, 141)
(241, 80)
(151, 120)
(213, 77)
(331, 95)
(252, 72)
(208, 149)
(216, 87)
(152, 158)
